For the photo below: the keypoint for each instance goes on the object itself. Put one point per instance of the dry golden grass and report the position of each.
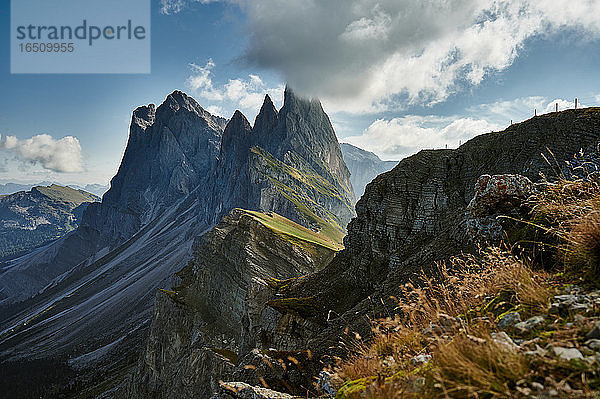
(468, 367)
(461, 364)
(466, 283)
(582, 249)
(565, 219)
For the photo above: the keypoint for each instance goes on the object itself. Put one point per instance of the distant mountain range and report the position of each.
(29, 219)
(11, 188)
(364, 166)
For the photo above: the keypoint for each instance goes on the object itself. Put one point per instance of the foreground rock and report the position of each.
(240, 390)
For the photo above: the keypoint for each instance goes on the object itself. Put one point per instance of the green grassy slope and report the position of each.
(67, 194)
(301, 188)
(285, 226)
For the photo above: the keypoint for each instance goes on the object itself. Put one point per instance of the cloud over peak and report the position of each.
(364, 56)
(58, 155)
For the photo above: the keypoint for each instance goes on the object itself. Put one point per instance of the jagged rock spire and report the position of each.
(265, 121)
(237, 136)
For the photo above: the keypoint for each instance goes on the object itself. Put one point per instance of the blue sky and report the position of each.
(391, 85)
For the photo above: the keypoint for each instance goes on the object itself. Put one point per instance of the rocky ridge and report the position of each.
(409, 218)
(235, 269)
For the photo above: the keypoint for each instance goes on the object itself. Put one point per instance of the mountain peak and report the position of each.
(178, 99)
(289, 96)
(267, 100)
(266, 120)
(236, 137)
(238, 118)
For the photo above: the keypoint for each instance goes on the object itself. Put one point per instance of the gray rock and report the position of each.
(325, 384)
(420, 359)
(539, 351)
(594, 333)
(572, 302)
(240, 390)
(530, 324)
(593, 344)
(567, 353)
(509, 320)
(537, 386)
(495, 193)
(504, 341)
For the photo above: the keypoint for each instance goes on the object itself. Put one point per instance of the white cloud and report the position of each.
(247, 94)
(374, 28)
(62, 155)
(562, 105)
(504, 111)
(169, 7)
(399, 137)
(367, 56)
(519, 109)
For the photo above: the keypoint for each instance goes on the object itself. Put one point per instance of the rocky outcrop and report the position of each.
(364, 166)
(240, 390)
(417, 214)
(493, 193)
(217, 312)
(499, 200)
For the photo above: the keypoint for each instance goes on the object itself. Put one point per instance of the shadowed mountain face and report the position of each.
(171, 151)
(364, 166)
(182, 171)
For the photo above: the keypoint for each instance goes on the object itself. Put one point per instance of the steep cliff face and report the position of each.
(171, 151)
(198, 327)
(415, 215)
(289, 162)
(364, 166)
